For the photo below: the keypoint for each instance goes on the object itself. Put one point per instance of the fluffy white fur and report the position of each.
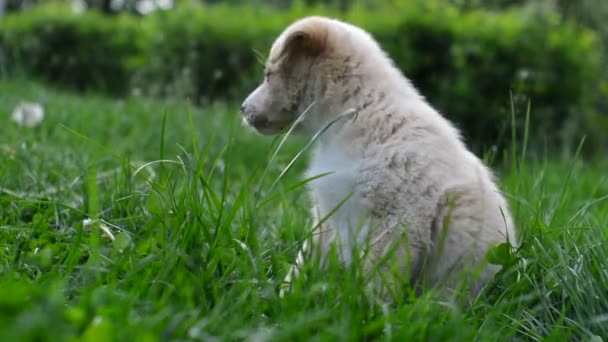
(402, 167)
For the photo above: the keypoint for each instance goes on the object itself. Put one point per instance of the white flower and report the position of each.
(87, 223)
(523, 74)
(29, 114)
(117, 5)
(79, 6)
(145, 6)
(148, 6)
(164, 4)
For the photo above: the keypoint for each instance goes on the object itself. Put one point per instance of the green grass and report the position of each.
(202, 242)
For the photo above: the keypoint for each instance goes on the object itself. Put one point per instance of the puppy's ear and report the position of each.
(310, 42)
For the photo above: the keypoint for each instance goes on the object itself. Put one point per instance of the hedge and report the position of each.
(89, 51)
(471, 65)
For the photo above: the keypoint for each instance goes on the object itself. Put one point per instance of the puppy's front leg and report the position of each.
(316, 239)
(294, 270)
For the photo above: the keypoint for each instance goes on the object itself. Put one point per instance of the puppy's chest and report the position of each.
(342, 174)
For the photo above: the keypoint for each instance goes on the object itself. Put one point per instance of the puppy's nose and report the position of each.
(242, 108)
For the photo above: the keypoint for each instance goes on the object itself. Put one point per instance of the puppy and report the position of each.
(398, 177)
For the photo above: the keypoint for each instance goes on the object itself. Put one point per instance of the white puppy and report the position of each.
(398, 170)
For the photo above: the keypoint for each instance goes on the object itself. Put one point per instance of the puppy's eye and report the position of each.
(267, 74)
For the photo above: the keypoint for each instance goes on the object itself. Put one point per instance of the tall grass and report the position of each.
(134, 219)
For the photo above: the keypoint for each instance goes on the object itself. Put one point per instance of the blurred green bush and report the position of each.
(84, 51)
(474, 66)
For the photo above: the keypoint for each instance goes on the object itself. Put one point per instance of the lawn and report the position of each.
(142, 220)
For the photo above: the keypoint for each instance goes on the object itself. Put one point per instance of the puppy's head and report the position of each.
(293, 70)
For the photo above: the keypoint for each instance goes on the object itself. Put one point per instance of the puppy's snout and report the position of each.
(249, 104)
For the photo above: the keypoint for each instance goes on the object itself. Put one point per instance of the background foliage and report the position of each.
(474, 65)
(86, 52)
